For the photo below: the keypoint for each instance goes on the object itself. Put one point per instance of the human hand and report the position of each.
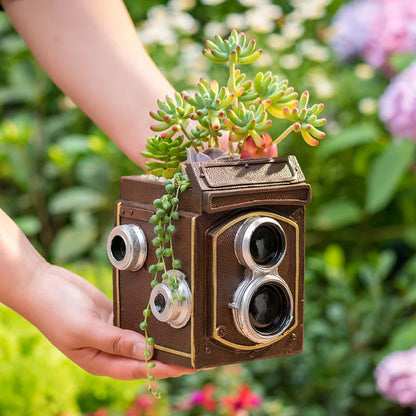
(77, 318)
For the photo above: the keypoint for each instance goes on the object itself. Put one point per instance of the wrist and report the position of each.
(20, 266)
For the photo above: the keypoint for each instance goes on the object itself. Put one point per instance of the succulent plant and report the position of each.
(241, 111)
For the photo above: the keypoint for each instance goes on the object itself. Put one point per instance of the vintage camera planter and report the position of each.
(240, 238)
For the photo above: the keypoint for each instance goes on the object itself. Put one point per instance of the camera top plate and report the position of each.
(245, 173)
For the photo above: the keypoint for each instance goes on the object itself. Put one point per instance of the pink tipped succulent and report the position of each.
(242, 110)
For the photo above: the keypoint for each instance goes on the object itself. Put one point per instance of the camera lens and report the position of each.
(168, 308)
(269, 309)
(118, 248)
(260, 243)
(263, 308)
(265, 245)
(160, 303)
(127, 247)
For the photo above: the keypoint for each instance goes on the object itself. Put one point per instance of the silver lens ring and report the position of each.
(263, 308)
(166, 309)
(127, 247)
(260, 244)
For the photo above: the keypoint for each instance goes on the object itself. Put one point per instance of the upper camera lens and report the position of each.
(265, 245)
(269, 309)
(260, 243)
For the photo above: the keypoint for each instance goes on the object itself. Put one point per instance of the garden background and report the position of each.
(361, 226)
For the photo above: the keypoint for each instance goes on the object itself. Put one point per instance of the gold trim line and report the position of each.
(118, 271)
(172, 351)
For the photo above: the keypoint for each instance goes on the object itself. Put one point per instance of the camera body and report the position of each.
(240, 239)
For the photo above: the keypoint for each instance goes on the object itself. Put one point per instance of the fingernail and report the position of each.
(138, 350)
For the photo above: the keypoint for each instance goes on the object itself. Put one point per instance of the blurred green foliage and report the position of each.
(59, 179)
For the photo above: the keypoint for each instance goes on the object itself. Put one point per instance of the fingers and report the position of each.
(163, 370)
(116, 341)
(123, 368)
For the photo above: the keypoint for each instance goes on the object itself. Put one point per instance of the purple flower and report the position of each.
(375, 30)
(396, 377)
(398, 104)
(393, 30)
(351, 26)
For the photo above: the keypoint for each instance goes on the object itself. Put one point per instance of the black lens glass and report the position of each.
(269, 309)
(118, 248)
(160, 303)
(266, 245)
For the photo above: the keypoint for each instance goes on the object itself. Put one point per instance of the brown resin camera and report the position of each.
(240, 238)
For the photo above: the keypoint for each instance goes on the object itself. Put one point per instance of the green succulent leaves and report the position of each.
(274, 94)
(306, 119)
(241, 109)
(243, 122)
(168, 152)
(236, 49)
(172, 116)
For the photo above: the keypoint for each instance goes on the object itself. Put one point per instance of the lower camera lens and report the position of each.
(269, 309)
(263, 308)
(160, 303)
(266, 245)
(118, 248)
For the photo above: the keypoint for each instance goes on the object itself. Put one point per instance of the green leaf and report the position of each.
(334, 259)
(347, 138)
(336, 214)
(75, 199)
(29, 224)
(386, 172)
(93, 172)
(400, 61)
(71, 242)
(403, 338)
(74, 144)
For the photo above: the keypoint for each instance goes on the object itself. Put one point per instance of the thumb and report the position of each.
(123, 342)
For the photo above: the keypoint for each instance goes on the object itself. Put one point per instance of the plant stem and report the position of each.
(185, 132)
(284, 134)
(231, 147)
(231, 80)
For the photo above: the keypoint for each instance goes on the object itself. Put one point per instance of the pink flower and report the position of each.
(100, 412)
(375, 30)
(393, 30)
(267, 149)
(245, 399)
(204, 398)
(398, 104)
(396, 377)
(144, 405)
